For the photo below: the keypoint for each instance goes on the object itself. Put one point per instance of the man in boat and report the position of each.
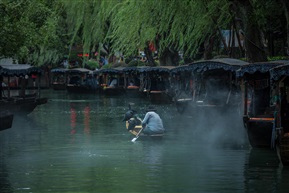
(152, 123)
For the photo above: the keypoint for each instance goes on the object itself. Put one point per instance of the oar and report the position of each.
(137, 135)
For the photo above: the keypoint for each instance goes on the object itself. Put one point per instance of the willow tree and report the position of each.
(262, 21)
(173, 26)
(88, 22)
(272, 24)
(29, 31)
(285, 6)
(129, 25)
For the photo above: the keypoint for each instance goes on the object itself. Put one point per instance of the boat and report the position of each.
(111, 81)
(132, 83)
(207, 85)
(19, 101)
(6, 120)
(21, 104)
(280, 134)
(81, 80)
(134, 125)
(58, 78)
(133, 91)
(259, 110)
(182, 86)
(156, 85)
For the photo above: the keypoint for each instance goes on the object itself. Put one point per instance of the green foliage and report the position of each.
(92, 64)
(182, 24)
(106, 66)
(118, 64)
(267, 13)
(126, 25)
(136, 63)
(278, 58)
(88, 19)
(43, 31)
(29, 31)
(182, 62)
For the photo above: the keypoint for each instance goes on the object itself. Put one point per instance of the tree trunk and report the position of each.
(209, 45)
(169, 57)
(254, 47)
(285, 6)
(149, 55)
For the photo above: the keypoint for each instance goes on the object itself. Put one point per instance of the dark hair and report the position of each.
(150, 108)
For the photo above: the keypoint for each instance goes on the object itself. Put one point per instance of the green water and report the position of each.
(78, 144)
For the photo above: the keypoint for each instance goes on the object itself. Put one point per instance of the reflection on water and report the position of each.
(263, 172)
(77, 143)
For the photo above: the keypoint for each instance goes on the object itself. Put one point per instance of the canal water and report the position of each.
(78, 144)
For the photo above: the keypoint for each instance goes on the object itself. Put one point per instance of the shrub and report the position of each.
(136, 63)
(92, 64)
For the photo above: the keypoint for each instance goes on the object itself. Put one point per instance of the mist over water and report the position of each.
(77, 143)
(214, 114)
(214, 127)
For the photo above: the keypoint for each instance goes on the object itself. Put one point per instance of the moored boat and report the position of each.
(81, 80)
(156, 84)
(112, 81)
(259, 117)
(132, 81)
(181, 84)
(207, 85)
(280, 91)
(22, 104)
(58, 78)
(19, 101)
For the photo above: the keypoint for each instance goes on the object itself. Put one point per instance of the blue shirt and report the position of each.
(153, 123)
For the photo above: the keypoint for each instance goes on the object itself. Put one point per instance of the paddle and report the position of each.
(137, 135)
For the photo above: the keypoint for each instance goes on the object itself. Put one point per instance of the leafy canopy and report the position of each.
(30, 31)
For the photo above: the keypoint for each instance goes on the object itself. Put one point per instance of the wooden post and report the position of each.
(9, 86)
(38, 85)
(245, 98)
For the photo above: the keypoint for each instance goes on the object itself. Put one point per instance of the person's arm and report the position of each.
(145, 120)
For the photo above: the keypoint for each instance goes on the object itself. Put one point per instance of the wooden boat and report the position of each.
(280, 133)
(259, 117)
(81, 80)
(207, 85)
(109, 75)
(181, 85)
(134, 124)
(159, 97)
(6, 120)
(133, 91)
(156, 84)
(132, 81)
(22, 103)
(58, 78)
(112, 90)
